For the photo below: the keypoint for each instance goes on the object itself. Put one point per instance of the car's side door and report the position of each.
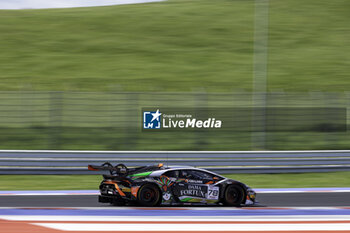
(192, 186)
(208, 180)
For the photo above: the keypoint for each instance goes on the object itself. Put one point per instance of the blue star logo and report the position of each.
(151, 120)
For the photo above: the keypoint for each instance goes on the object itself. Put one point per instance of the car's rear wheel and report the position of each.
(234, 195)
(149, 195)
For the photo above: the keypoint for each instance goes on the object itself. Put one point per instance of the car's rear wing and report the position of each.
(122, 170)
(119, 169)
(101, 168)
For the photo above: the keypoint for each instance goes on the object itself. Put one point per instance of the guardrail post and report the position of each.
(201, 109)
(261, 27)
(347, 105)
(115, 116)
(56, 102)
(132, 123)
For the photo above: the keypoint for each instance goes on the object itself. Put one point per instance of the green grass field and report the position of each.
(172, 46)
(176, 45)
(81, 182)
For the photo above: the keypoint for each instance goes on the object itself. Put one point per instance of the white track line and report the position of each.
(214, 227)
(41, 4)
(173, 152)
(292, 218)
(203, 208)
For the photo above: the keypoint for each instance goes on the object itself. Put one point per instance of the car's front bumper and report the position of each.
(251, 197)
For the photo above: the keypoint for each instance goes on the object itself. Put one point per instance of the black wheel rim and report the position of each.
(234, 195)
(149, 195)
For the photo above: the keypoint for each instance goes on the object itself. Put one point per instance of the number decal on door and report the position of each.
(213, 192)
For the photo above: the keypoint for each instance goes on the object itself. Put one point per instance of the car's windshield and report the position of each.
(191, 174)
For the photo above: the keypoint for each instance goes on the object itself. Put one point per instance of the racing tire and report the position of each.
(234, 195)
(149, 195)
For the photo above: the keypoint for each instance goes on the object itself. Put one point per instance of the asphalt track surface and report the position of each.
(266, 199)
(297, 211)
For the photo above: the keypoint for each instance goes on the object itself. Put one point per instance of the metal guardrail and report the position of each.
(75, 162)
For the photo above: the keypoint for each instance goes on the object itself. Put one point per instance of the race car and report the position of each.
(170, 185)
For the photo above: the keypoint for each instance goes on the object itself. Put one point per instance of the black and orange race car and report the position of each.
(171, 185)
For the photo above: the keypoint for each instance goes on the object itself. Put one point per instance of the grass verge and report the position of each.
(81, 182)
(175, 45)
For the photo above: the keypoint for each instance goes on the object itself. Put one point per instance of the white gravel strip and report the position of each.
(45, 4)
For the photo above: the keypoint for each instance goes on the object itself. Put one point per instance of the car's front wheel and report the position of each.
(149, 195)
(234, 195)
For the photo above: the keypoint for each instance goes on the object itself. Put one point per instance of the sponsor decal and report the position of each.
(166, 196)
(209, 192)
(193, 190)
(126, 189)
(134, 190)
(195, 181)
(164, 183)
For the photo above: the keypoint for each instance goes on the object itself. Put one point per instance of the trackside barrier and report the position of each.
(75, 162)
